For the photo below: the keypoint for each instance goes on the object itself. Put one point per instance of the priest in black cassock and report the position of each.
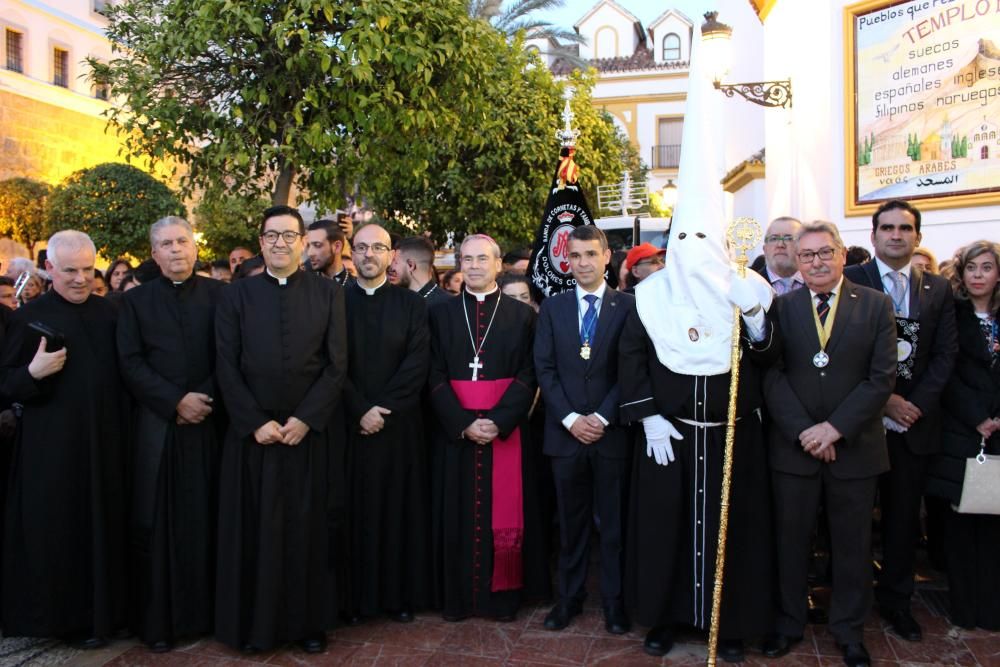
(482, 382)
(64, 543)
(281, 362)
(166, 348)
(389, 354)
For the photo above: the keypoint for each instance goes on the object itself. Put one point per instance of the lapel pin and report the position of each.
(927, 286)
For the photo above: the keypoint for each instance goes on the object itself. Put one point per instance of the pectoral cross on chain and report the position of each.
(475, 366)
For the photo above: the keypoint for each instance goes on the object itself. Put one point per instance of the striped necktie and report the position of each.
(823, 306)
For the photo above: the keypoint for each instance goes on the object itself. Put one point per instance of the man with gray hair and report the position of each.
(825, 397)
(780, 269)
(64, 541)
(488, 533)
(166, 349)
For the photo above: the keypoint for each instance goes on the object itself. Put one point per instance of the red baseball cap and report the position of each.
(641, 252)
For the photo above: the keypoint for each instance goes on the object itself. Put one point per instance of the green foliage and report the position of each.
(22, 210)
(269, 92)
(115, 204)
(500, 188)
(225, 221)
(960, 147)
(913, 147)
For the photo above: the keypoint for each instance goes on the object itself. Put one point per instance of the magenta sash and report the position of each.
(507, 501)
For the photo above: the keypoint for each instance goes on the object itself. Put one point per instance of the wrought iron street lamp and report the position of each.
(716, 42)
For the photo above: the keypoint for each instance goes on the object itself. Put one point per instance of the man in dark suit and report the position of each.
(576, 361)
(825, 398)
(927, 344)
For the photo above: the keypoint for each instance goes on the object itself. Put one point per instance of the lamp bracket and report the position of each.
(764, 93)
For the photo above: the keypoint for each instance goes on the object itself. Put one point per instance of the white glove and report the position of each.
(742, 293)
(659, 431)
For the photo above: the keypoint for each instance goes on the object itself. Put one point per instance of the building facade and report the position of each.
(642, 78)
(51, 121)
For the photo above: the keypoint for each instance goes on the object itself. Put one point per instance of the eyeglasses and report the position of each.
(652, 261)
(376, 248)
(778, 238)
(825, 254)
(289, 237)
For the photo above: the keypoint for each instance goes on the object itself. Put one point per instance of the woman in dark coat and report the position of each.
(971, 418)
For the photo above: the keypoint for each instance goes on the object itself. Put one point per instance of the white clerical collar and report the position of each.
(481, 296)
(281, 281)
(599, 292)
(835, 290)
(371, 290)
(884, 269)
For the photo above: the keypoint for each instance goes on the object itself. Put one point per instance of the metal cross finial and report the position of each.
(568, 135)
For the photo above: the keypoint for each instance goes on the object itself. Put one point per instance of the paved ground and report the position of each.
(432, 641)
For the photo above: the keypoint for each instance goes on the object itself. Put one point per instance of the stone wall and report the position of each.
(47, 142)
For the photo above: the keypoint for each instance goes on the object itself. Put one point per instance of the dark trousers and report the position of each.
(973, 545)
(849, 504)
(581, 481)
(900, 490)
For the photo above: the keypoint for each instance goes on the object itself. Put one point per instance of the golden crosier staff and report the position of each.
(743, 234)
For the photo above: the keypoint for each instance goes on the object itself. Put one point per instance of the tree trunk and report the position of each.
(283, 186)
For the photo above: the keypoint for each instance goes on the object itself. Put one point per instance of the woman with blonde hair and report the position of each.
(971, 421)
(926, 260)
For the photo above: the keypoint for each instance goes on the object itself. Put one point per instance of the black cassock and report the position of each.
(463, 530)
(166, 348)
(282, 352)
(64, 542)
(433, 294)
(389, 347)
(673, 526)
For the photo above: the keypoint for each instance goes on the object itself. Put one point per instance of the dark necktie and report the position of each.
(589, 319)
(823, 306)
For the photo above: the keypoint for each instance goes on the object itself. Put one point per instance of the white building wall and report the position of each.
(672, 24)
(600, 30)
(68, 24)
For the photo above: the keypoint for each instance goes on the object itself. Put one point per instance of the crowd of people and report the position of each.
(337, 435)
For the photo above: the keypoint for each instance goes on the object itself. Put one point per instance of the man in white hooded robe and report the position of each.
(674, 375)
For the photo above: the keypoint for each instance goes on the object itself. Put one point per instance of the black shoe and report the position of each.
(505, 618)
(731, 650)
(615, 620)
(161, 647)
(855, 655)
(404, 616)
(778, 645)
(659, 640)
(561, 614)
(249, 649)
(90, 643)
(454, 618)
(815, 615)
(903, 624)
(315, 644)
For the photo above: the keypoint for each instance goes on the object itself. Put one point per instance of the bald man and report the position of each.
(389, 354)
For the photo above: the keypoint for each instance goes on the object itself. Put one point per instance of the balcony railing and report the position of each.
(667, 156)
